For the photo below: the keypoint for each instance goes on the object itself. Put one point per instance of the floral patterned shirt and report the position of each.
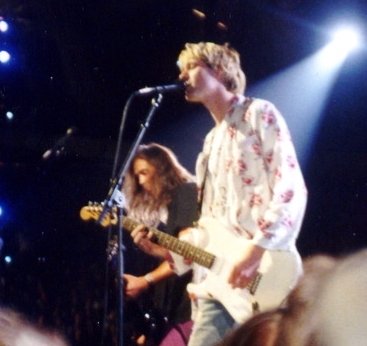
(253, 182)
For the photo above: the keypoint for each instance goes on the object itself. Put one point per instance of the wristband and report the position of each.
(149, 279)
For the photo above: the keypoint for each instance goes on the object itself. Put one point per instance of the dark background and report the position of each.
(75, 63)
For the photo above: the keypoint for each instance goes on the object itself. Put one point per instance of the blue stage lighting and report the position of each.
(4, 56)
(3, 25)
(8, 259)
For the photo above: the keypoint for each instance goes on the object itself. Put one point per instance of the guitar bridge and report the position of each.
(255, 307)
(254, 284)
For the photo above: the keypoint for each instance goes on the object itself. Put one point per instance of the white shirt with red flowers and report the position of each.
(253, 182)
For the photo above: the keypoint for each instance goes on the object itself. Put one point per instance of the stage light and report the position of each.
(9, 115)
(8, 259)
(346, 39)
(4, 56)
(41, 259)
(198, 14)
(3, 25)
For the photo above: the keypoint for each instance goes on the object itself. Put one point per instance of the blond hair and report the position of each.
(221, 58)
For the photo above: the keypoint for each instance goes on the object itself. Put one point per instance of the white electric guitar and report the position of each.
(218, 250)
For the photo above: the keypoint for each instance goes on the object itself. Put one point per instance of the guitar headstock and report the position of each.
(93, 211)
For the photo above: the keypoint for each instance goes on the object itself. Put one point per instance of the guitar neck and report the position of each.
(176, 245)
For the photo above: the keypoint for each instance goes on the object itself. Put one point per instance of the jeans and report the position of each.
(212, 322)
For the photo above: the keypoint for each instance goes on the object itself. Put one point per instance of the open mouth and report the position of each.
(188, 87)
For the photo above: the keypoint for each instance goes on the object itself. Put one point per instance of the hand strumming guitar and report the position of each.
(246, 268)
(135, 285)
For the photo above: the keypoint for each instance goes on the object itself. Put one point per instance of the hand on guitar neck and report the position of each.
(143, 238)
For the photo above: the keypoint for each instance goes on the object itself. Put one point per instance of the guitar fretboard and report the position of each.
(176, 245)
(180, 247)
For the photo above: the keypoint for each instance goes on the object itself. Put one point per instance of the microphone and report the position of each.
(59, 146)
(179, 86)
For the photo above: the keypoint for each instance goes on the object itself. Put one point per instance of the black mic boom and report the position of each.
(179, 86)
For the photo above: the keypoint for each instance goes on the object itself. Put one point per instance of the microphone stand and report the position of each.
(116, 198)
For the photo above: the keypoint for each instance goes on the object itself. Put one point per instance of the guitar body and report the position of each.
(214, 251)
(278, 273)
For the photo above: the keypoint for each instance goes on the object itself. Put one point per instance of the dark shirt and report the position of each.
(168, 298)
(170, 295)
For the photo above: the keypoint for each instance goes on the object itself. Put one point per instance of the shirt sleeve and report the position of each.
(183, 209)
(281, 219)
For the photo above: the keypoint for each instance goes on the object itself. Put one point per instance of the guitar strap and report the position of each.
(201, 190)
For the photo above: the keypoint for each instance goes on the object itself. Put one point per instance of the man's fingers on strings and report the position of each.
(139, 229)
(139, 233)
(241, 282)
(234, 274)
(238, 278)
